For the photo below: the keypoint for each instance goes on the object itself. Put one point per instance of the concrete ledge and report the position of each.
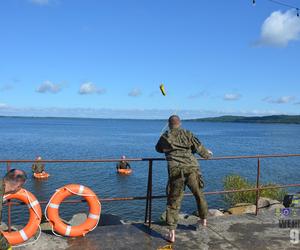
(226, 232)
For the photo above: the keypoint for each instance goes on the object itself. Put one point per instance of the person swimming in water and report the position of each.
(38, 167)
(123, 164)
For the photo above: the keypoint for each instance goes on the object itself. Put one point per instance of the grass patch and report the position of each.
(238, 182)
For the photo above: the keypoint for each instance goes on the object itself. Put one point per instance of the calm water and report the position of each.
(26, 138)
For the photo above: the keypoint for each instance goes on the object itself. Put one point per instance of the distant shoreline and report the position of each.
(273, 119)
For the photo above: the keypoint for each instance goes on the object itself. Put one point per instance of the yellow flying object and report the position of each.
(162, 89)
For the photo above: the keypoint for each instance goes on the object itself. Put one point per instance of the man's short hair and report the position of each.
(174, 120)
(15, 175)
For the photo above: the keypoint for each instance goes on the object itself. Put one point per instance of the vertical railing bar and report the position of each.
(150, 193)
(8, 203)
(257, 185)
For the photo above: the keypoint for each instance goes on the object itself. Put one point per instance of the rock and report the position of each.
(193, 217)
(188, 220)
(3, 226)
(44, 219)
(250, 209)
(242, 209)
(16, 227)
(215, 213)
(273, 202)
(78, 219)
(46, 226)
(266, 202)
(275, 206)
(236, 210)
(182, 216)
(110, 219)
(242, 204)
(263, 202)
(211, 213)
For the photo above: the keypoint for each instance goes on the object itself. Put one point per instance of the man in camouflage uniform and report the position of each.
(123, 164)
(11, 183)
(179, 146)
(38, 167)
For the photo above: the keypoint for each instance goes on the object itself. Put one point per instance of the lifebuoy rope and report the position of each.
(81, 189)
(31, 205)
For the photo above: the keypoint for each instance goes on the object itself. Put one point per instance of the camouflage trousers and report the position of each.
(4, 245)
(176, 187)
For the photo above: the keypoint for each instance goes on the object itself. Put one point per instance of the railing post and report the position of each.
(8, 203)
(257, 185)
(148, 211)
(150, 195)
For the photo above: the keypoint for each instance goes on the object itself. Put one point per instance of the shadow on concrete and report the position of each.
(145, 229)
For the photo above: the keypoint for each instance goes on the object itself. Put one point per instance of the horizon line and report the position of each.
(154, 119)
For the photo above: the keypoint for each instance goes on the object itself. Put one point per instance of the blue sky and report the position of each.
(107, 58)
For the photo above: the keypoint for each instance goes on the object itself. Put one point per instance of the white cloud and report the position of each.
(90, 88)
(135, 92)
(232, 97)
(280, 100)
(40, 2)
(280, 28)
(48, 86)
(3, 105)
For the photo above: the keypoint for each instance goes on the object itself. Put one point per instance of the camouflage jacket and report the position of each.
(179, 146)
(38, 167)
(123, 165)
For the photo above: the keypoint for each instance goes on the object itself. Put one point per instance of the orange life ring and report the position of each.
(52, 210)
(35, 215)
(127, 171)
(41, 175)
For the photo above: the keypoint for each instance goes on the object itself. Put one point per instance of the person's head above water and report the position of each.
(123, 157)
(174, 121)
(39, 158)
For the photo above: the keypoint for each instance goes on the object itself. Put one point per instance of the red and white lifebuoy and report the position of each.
(52, 210)
(35, 215)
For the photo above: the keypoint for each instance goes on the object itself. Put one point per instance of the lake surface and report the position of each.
(60, 138)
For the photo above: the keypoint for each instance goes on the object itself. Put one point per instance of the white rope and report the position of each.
(87, 195)
(80, 194)
(99, 217)
(163, 129)
(40, 230)
(52, 228)
(167, 123)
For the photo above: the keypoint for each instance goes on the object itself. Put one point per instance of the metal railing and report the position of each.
(149, 196)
